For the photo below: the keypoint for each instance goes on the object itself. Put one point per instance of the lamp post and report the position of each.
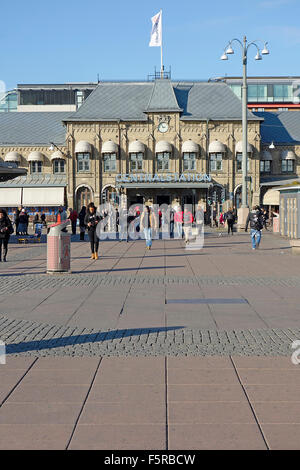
(227, 51)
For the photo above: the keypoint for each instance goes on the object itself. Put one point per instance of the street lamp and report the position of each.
(228, 51)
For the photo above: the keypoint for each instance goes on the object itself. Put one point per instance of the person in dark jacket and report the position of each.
(6, 230)
(230, 219)
(91, 221)
(23, 221)
(255, 219)
(82, 226)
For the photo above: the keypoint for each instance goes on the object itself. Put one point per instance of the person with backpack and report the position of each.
(91, 221)
(230, 219)
(255, 218)
(6, 229)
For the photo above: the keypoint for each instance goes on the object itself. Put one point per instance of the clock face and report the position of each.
(163, 127)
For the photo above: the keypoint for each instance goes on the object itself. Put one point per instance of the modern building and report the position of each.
(52, 97)
(268, 93)
(8, 101)
(154, 142)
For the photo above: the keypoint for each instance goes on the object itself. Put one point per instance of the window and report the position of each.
(36, 167)
(216, 161)
(287, 166)
(83, 162)
(163, 159)
(237, 90)
(257, 93)
(189, 161)
(110, 162)
(239, 160)
(59, 166)
(265, 166)
(136, 160)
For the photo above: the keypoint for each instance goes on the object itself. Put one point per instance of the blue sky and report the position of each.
(71, 40)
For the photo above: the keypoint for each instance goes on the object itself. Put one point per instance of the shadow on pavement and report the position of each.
(99, 337)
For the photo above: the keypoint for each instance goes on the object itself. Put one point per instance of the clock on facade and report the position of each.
(163, 127)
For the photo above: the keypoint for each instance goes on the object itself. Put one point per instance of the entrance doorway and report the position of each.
(83, 197)
(162, 200)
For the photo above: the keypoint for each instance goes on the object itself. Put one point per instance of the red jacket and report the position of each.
(73, 216)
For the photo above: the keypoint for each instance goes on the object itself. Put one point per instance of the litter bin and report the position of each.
(58, 248)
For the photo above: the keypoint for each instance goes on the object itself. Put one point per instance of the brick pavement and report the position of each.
(216, 325)
(192, 403)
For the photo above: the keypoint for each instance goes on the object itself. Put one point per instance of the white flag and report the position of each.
(155, 39)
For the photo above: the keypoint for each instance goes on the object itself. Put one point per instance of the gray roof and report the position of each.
(209, 100)
(32, 128)
(281, 128)
(163, 97)
(30, 181)
(130, 101)
(278, 180)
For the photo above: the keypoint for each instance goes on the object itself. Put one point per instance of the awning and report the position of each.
(163, 146)
(57, 156)
(83, 147)
(288, 155)
(35, 157)
(12, 157)
(239, 147)
(43, 196)
(266, 156)
(10, 197)
(109, 147)
(190, 147)
(136, 147)
(271, 198)
(216, 147)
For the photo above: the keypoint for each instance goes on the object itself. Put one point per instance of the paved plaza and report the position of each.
(202, 337)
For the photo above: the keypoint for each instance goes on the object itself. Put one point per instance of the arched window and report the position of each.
(163, 152)
(109, 153)
(83, 152)
(216, 152)
(136, 155)
(189, 153)
(239, 156)
(288, 161)
(36, 161)
(83, 197)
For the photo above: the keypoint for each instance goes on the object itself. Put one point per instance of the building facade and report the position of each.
(153, 142)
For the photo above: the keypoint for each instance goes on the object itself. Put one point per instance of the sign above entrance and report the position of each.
(158, 178)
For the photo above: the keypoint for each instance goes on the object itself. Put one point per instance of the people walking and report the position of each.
(73, 216)
(148, 224)
(82, 226)
(178, 219)
(61, 215)
(6, 229)
(255, 218)
(187, 224)
(199, 216)
(230, 219)
(172, 213)
(22, 225)
(265, 218)
(91, 221)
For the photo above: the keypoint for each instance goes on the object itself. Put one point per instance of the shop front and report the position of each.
(171, 189)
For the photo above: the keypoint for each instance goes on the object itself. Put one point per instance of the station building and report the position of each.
(154, 142)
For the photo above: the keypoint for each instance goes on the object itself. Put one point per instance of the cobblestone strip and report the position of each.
(28, 338)
(42, 281)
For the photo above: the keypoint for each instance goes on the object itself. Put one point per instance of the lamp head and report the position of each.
(229, 50)
(224, 56)
(51, 148)
(258, 56)
(272, 146)
(265, 50)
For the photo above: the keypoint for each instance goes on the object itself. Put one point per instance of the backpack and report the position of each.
(230, 216)
(258, 223)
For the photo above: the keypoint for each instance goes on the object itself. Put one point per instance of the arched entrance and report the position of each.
(110, 195)
(83, 197)
(238, 196)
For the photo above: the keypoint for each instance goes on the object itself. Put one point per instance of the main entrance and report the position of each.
(162, 200)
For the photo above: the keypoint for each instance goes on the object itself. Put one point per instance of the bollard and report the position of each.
(58, 248)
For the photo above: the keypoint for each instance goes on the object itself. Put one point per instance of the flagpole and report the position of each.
(161, 50)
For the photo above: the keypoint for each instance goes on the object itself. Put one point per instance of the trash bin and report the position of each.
(58, 248)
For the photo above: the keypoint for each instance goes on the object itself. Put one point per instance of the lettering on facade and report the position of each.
(160, 178)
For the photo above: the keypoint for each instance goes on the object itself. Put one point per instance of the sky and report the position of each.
(73, 41)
